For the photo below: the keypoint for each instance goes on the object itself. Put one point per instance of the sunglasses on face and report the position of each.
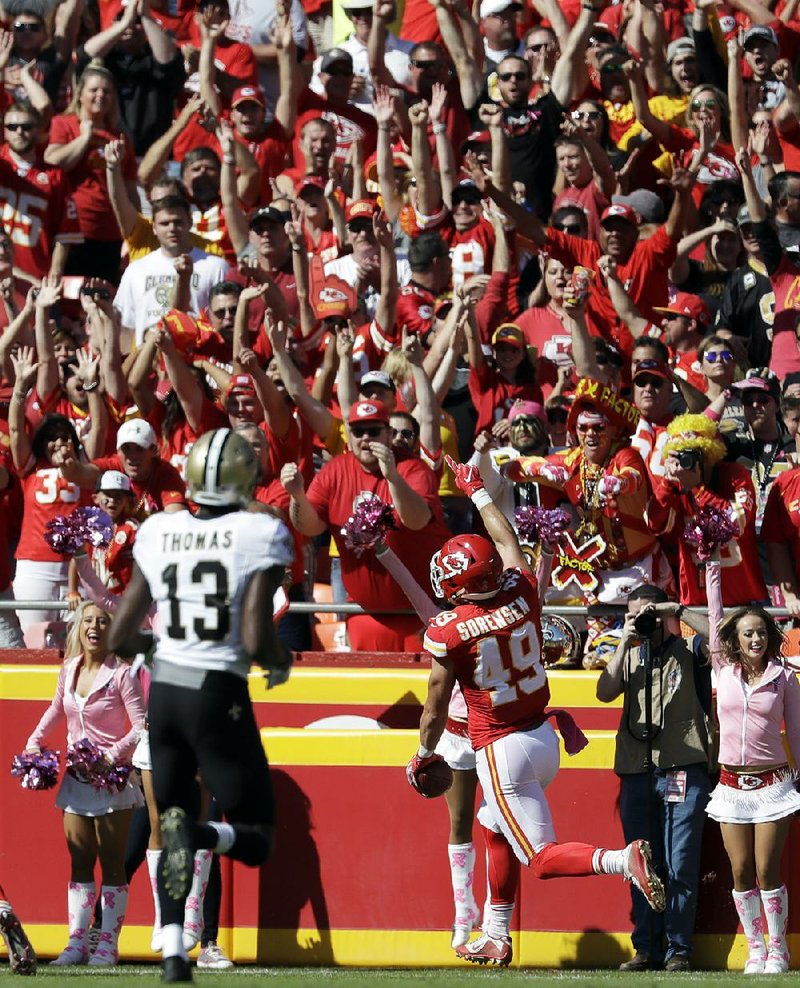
(422, 66)
(226, 310)
(698, 104)
(367, 431)
(508, 76)
(573, 228)
(586, 114)
(525, 420)
(599, 429)
(26, 128)
(646, 380)
(21, 27)
(407, 434)
(756, 398)
(611, 67)
(712, 356)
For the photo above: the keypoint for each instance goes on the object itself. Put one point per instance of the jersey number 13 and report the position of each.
(215, 622)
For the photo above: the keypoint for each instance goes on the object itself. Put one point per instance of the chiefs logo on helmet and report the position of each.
(467, 567)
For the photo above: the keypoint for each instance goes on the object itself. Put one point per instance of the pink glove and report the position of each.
(554, 474)
(418, 763)
(468, 478)
(609, 487)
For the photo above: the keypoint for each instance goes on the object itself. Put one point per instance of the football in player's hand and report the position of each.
(435, 779)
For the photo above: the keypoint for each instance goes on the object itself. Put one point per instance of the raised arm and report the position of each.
(294, 230)
(491, 116)
(680, 269)
(386, 309)
(183, 380)
(235, 217)
(88, 373)
(624, 305)
(162, 44)
(660, 129)
(787, 115)
(570, 78)
(288, 76)
(47, 375)
(301, 511)
(125, 212)
(23, 362)
(317, 415)
(429, 199)
(445, 156)
(383, 108)
(12, 332)
(426, 410)
(99, 45)
(527, 223)
(736, 94)
(460, 35)
(157, 155)
(139, 376)
(383, 12)
(277, 413)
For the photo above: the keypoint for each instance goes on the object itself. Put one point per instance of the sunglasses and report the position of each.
(599, 429)
(756, 398)
(698, 104)
(22, 27)
(227, 310)
(516, 76)
(573, 228)
(26, 128)
(341, 70)
(422, 66)
(586, 114)
(537, 48)
(366, 431)
(611, 67)
(648, 379)
(557, 417)
(724, 355)
(407, 434)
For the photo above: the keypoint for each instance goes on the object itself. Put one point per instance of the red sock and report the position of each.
(562, 860)
(503, 868)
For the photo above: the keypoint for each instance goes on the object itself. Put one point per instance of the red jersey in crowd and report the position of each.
(349, 123)
(493, 395)
(114, 564)
(495, 648)
(175, 447)
(87, 180)
(164, 485)
(46, 496)
(544, 329)
(668, 511)
(782, 515)
(37, 212)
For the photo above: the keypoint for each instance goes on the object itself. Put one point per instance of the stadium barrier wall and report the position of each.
(360, 874)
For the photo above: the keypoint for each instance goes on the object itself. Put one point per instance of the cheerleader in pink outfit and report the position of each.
(756, 796)
(101, 701)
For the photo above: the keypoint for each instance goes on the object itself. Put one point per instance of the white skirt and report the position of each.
(83, 799)
(456, 751)
(141, 756)
(763, 805)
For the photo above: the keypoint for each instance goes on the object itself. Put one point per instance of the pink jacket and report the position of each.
(114, 703)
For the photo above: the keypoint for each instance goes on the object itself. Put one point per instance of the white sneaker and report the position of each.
(777, 961)
(214, 957)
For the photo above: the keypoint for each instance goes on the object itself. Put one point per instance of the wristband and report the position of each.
(423, 752)
(481, 498)
(440, 128)
(679, 610)
(229, 159)
(91, 387)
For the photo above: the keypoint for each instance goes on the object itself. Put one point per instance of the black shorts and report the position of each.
(213, 730)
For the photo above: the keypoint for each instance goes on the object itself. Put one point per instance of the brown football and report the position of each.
(435, 779)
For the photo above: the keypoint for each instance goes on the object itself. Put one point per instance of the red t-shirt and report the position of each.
(782, 515)
(87, 180)
(718, 164)
(742, 582)
(415, 306)
(589, 199)
(36, 212)
(785, 358)
(335, 492)
(46, 496)
(176, 447)
(495, 647)
(231, 57)
(350, 124)
(164, 486)
(114, 564)
(493, 396)
(274, 494)
(687, 366)
(544, 329)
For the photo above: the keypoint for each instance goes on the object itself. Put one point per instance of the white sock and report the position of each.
(153, 857)
(500, 920)
(748, 906)
(115, 903)
(462, 871)
(226, 836)
(776, 909)
(193, 915)
(81, 897)
(608, 862)
(173, 941)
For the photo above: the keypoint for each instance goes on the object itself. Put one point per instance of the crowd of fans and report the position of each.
(559, 238)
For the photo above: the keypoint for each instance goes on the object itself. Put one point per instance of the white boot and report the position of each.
(80, 907)
(153, 857)
(748, 906)
(462, 872)
(115, 904)
(193, 915)
(776, 909)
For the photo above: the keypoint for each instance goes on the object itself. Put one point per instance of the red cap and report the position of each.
(241, 383)
(622, 212)
(655, 368)
(688, 305)
(248, 94)
(368, 411)
(510, 334)
(316, 180)
(360, 209)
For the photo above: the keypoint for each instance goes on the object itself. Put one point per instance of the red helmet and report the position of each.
(467, 567)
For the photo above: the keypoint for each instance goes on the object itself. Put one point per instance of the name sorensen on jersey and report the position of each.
(192, 541)
(504, 616)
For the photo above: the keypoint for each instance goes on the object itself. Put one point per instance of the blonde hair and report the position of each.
(695, 432)
(396, 365)
(724, 110)
(73, 645)
(96, 67)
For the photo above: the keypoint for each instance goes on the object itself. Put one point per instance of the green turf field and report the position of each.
(130, 976)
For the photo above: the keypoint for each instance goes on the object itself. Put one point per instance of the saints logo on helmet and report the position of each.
(222, 470)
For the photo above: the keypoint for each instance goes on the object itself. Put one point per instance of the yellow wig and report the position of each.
(695, 432)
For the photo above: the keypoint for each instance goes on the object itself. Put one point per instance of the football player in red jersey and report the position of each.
(490, 642)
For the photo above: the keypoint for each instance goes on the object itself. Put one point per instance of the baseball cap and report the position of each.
(510, 334)
(743, 217)
(248, 94)
(334, 55)
(270, 214)
(489, 7)
(476, 137)
(360, 209)
(760, 32)
(114, 480)
(377, 377)
(620, 211)
(315, 181)
(368, 411)
(759, 379)
(136, 431)
(691, 306)
(655, 368)
(526, 409)
(681, 46)
(242, 383)
(356, 4)
(644, 202)
(466, 192)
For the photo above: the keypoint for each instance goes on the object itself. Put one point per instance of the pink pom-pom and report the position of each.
(87, 763)
(372, 518)
(60, 535)
(36, 770)
(709, 530)
(536, 524)
(92, 525)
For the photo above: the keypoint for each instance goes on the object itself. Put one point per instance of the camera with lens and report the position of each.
(645, 623)
(689, 459)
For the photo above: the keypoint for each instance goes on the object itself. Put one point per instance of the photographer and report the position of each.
(662, 758)
(696, 477)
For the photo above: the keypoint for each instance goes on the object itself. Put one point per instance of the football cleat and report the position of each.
(21, 955)
(638, 868)
(178, 855)
(176, 969)
(487, 950)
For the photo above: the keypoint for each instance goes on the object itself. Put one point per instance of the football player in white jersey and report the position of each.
(212, 575)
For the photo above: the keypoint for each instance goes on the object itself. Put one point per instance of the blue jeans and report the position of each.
(675, 835)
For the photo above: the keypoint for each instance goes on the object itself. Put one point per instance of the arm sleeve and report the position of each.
(52, 716)
(131, 692)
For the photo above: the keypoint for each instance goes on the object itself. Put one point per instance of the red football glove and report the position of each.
(468, 478)
(415, 765)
